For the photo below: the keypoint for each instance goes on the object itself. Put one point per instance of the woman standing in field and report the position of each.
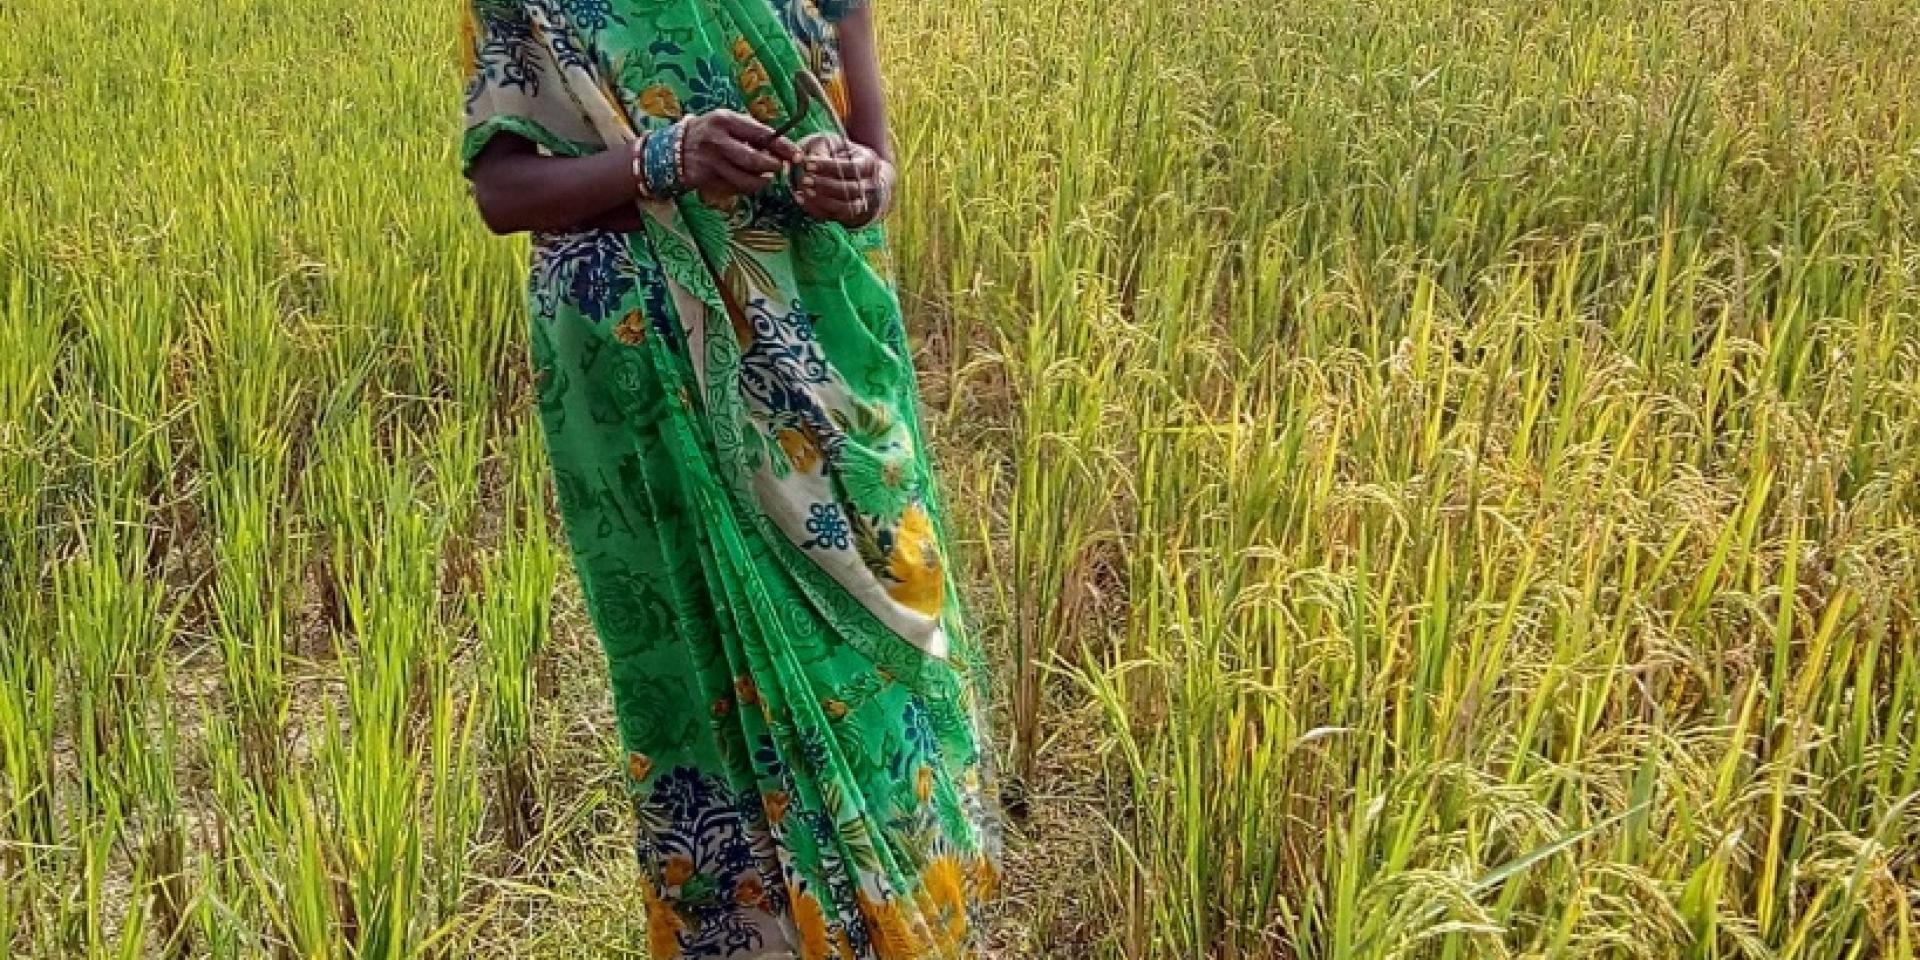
(728, 400)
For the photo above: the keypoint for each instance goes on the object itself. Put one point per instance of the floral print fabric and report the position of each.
(729, 405)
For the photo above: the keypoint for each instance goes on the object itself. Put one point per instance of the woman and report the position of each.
(725, 388)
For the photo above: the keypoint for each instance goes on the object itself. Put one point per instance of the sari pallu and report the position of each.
(729, 405)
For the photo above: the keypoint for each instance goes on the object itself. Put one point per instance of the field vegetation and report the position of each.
(1442, 480)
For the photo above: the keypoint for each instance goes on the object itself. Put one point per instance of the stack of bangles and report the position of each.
(660, 162)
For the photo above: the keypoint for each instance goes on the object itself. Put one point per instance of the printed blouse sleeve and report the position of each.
(513, 86)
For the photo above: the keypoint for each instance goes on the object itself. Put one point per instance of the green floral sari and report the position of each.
(729, 404)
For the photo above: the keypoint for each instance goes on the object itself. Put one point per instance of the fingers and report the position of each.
(755, 135)
(855, 167)
(823, 145)
(748, 159)
(723, 151)
(849, 172)
(833, 187)
(835, 209)
(839, 180)
(834, 178)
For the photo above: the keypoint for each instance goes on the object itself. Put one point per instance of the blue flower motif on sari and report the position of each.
(506, 54)
(652, 283)
(591, 269)
(843, 886)
(815, 752)
(694, 830)
(565, 51)
(767, 761)
(592, 15)
(923, 743)
(780, 367)
(828, 527)
(712, 88)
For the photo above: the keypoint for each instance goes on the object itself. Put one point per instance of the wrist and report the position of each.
(658, 161)
(637, 166)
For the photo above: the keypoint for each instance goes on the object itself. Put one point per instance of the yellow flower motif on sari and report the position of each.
(745, 689)
(944, 887)
(742, 49)
(764, 109)
(776, 805)
(663, 925)
(836, 709)
(891, 933)
(753, 77)
(837, 95)
(923, 785)
(638, 766)
(800, 448)
(811, 922)
(915, 564)
(946, 882)
(660, 101)
(632, 329)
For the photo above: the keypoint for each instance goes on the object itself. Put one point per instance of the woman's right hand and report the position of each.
(724, 153)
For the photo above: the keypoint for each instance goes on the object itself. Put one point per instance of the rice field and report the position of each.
(1442, 480)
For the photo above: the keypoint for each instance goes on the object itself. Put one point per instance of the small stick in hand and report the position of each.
(807, 90)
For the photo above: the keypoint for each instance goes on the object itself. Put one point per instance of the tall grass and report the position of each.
(1439, 479)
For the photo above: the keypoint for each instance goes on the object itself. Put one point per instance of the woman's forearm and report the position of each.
(518, 189)
(866, 94)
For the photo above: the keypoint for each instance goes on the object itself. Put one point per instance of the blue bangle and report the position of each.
(664, 176)
(637, 151)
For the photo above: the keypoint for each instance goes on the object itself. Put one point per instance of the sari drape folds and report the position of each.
(730, 408)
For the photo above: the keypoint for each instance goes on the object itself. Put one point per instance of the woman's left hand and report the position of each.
(842, 180)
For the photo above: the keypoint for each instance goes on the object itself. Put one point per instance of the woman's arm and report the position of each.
(866, 94)
(517, 188)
